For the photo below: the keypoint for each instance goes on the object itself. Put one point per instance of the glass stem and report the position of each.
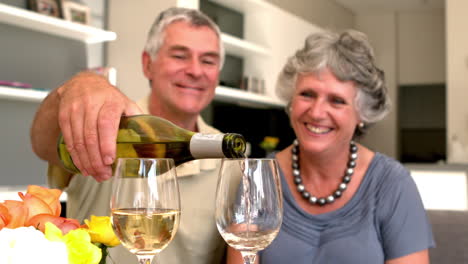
(144, 259)
(249, 257)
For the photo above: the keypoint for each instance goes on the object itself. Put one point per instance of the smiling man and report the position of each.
(181, 60)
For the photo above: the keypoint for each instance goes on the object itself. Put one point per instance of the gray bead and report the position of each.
(295, 150)
(349, 171)
(346, 179)
(313, 199)
(295, 157)
(322, 201)
(297, 180)
(342, 186)
(337, 193)
(300, 188)
(330, 199)
(305, 195)
(353, 156)
(296, 173)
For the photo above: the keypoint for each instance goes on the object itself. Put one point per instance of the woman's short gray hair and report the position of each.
(196, 18)
(350, 57)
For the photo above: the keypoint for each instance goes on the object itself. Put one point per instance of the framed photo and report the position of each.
(46, 7)
(75, 12)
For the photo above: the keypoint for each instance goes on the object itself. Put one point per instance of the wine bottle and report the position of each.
(147, 136)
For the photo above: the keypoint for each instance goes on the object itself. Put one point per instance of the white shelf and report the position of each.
(54, 26)
(225, 94)
(246, 98)
(241, 47)
(21, 94)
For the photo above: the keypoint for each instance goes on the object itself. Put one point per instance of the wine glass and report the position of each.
(145, 205)
(249, 208)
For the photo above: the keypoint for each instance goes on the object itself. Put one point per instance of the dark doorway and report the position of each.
(422, 123)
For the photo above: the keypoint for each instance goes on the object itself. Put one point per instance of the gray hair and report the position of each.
(349, 57)
(195, 17)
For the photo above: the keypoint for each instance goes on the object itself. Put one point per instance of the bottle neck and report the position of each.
(206, 146)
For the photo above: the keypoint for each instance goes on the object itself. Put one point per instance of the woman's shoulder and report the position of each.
(387, 166)
(390, 179)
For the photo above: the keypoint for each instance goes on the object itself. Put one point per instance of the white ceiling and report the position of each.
(368, 6)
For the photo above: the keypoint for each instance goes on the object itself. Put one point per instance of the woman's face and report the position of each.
(323, 113)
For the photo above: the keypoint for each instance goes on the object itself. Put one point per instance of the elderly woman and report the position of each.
(343, 203)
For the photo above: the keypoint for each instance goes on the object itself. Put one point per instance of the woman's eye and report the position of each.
(338, 101)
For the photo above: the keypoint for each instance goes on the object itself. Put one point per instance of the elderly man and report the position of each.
(181, 60)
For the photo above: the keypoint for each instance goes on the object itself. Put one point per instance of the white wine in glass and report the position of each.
(145, 205)
(249, 208)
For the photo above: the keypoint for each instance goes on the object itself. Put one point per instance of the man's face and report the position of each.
(185, 70)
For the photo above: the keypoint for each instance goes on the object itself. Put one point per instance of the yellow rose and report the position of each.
(100, 230)
(79, 246)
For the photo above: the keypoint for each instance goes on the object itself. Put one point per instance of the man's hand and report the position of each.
(89, 112)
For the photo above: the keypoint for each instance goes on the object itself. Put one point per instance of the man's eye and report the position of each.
(178, 56)
(209, 61)
(307, 94)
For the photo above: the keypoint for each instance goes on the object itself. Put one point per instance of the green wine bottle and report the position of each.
(147, 136)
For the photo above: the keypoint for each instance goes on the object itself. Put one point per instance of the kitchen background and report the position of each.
(421, 45)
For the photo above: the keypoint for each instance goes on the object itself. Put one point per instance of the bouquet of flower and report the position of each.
(269, 144)
(32, 231)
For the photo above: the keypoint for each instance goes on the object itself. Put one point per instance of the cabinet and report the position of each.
(253, 49)
(38, 23)
(43, 51)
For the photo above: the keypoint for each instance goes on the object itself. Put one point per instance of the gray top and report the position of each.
(385, 219)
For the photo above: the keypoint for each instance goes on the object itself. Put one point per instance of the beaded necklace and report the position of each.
(341, 187)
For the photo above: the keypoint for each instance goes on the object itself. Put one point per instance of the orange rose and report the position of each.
(64, 224)
(36, 201)
(18, 213)
(40, 200)
(5, 216)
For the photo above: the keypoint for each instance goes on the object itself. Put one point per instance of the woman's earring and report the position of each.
(361, 125)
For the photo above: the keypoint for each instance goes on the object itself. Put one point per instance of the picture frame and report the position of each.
(46, 7)
(75, 12)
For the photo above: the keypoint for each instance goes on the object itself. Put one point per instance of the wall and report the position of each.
(322, 13)
(131, 22)
(385, 47)
(410, 48)
(421, 38)
(457, 80)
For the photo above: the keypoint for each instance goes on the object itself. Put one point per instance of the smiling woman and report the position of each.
(338, 193)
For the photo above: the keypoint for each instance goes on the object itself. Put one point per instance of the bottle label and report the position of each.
(205, 146)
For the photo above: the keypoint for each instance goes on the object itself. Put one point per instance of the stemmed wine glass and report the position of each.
(145, 205)
(249, 208)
